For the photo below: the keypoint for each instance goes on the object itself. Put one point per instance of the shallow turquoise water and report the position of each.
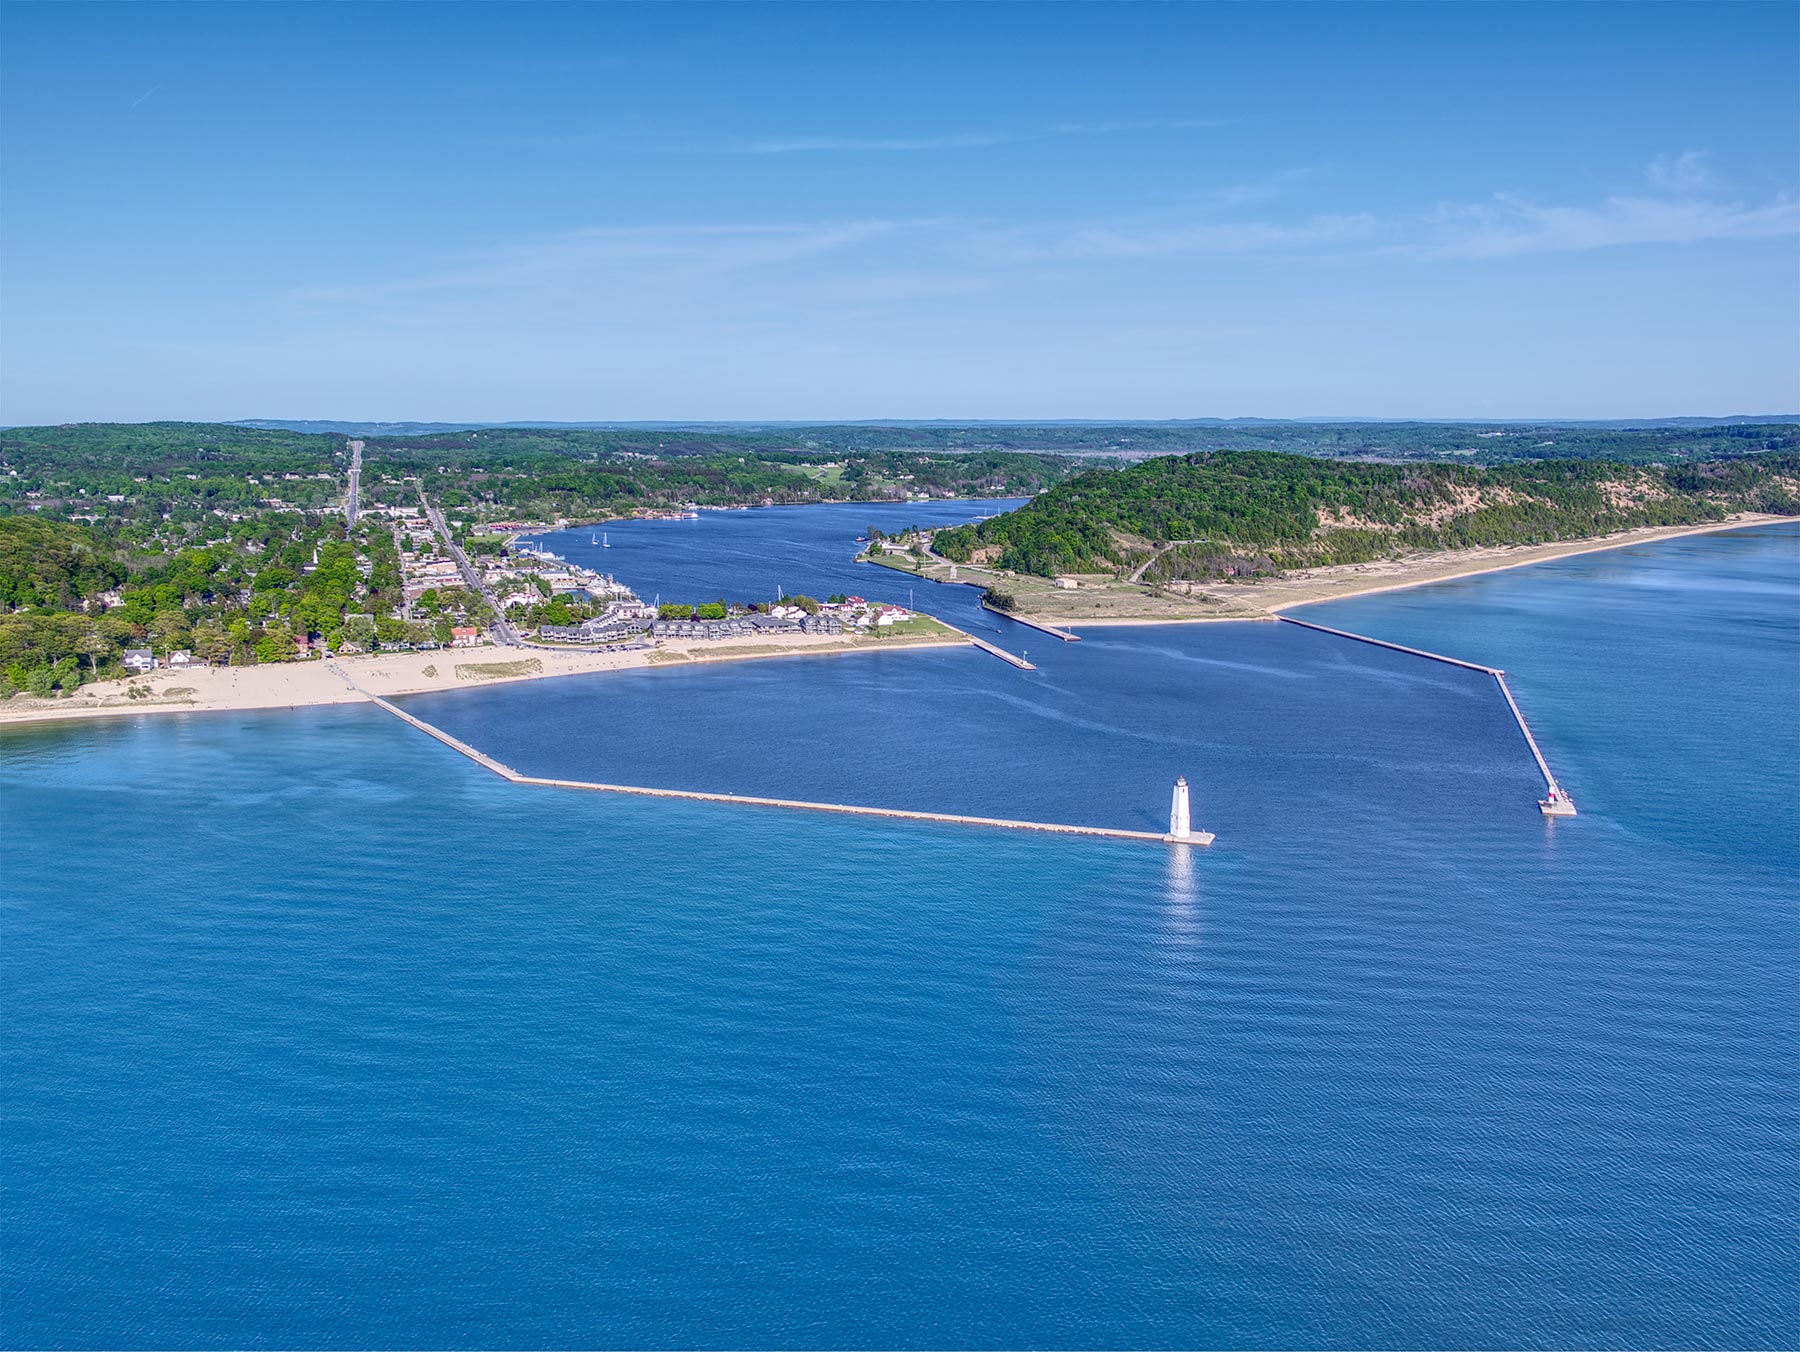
(319, 1036)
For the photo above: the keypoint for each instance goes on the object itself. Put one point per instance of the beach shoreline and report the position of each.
(1349, 581)
(313, 684)
(301, 685)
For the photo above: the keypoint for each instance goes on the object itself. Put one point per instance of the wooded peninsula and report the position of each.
(1251, 514)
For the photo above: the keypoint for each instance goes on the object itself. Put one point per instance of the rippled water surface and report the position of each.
(317, 1035)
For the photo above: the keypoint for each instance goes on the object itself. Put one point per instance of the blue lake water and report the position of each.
(317, 1035)
(758, 555)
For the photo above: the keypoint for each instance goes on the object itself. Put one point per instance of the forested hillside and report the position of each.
(1663, 442)
(140, 475)
(52, 565)
(1245, 513)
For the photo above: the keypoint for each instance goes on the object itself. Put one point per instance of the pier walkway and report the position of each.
(506, 772)
(1039, 625)
(1397, 647)
(1557, 804)
(1530, 741)
(999, 652)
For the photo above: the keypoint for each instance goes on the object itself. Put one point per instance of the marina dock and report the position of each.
(506, 772)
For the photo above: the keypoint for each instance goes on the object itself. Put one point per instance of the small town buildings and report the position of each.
(140, 660)
(600, 629)
(183, 660)
(735, 627)
(464, 636)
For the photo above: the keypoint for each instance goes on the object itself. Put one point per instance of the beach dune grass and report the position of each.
(496, 671)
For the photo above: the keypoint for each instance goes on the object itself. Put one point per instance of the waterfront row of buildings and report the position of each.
(626, 621)
(741, 626)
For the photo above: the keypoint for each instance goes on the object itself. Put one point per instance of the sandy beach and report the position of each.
(1266, 599)
(297, 685)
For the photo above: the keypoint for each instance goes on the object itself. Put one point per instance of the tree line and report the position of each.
(1244, 513)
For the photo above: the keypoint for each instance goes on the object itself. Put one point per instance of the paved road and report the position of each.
(405, 600)
(502, 630)
(350, 502)
(1137, 574)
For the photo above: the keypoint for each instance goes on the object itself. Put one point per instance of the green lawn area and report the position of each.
(919, 626)
(905, 563)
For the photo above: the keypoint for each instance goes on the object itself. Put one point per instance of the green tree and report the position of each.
(359, 631)
(211, 643)
(169, 631)
(276, 644)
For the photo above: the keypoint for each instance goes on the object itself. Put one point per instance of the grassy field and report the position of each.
(903, 563)
(1098, 597)
(918, 627)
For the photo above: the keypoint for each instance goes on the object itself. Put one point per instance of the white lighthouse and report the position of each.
(1180, 826)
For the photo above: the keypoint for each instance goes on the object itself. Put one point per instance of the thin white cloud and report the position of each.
(966, 140)
(758, 266)
(1511, 227)
(1151, 124)
(802, 144)
(1232, 195)
(1199, 237)
(589, 259)
(1686, 172)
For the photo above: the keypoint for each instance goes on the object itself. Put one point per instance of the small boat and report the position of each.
(604, 542)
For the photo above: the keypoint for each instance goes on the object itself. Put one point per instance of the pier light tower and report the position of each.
(1180, 826)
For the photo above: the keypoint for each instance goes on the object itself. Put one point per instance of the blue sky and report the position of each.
(536, 211)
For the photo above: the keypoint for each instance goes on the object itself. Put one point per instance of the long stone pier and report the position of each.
(1530, 741)
(998, 651)
(1039, 625)
(506, 772)
(1558, 804)
(1397, 647)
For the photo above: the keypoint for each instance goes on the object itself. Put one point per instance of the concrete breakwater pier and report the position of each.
(1557, 804)
(506, 772)
(1039, 625)
(999, 652)
(1397, 647)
